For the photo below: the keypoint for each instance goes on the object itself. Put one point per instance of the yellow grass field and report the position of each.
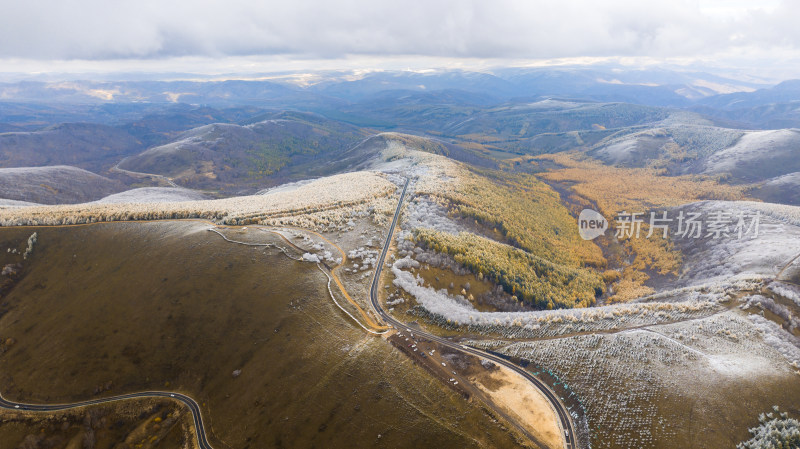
(615, 190)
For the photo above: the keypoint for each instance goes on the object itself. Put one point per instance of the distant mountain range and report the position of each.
(233, 137)
(347, 95)
(328, 89)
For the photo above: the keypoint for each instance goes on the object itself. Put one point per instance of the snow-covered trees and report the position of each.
(308, 257)
(775, 431)
(318, 202)
(31, 241)
(450, 311)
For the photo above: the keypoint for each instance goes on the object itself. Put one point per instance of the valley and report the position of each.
(397, 267)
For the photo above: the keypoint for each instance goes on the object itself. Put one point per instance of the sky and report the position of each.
(236, 36)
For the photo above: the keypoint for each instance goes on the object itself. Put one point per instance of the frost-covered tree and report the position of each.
(776, 431)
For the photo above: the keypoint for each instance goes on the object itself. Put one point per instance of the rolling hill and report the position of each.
(276, 148)
(92, 147)
(54, 185)
(741, 155)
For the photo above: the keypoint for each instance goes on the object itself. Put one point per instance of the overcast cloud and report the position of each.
(97, 30)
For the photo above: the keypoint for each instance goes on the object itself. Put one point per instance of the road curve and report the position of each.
(561, 410)
(137, 174)
(189, 402)
(194, 408)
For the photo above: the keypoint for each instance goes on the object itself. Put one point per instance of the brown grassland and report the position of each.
(121, 307)
(141, 424)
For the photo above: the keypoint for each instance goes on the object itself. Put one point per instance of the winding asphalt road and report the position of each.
(561, 410)
(193, 407)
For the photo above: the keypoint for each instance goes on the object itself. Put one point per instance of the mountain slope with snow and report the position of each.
(54, 185)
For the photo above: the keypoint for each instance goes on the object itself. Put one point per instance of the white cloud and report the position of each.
(512, 29)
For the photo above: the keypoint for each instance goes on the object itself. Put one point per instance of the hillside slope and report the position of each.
(88, 146)
(154, 195)
(741, 156)
(54, 185)
(282, 147)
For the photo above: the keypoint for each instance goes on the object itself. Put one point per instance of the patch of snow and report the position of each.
(781, 212)
(14, 203)
(775, 336)
(50, 169)
(751, 146)
(739, 365)
(153, 195)
(619, 151)
(288, 187)
(788, 180)
(551, 104)
(458, 310)
(59, 183)
(764, 303)
(436, 302)
(708, 260)
(395, 302)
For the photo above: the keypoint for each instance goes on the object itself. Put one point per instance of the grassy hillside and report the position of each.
(143, 424)
(115, 308)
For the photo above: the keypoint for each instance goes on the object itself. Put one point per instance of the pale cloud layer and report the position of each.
(92, 30)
